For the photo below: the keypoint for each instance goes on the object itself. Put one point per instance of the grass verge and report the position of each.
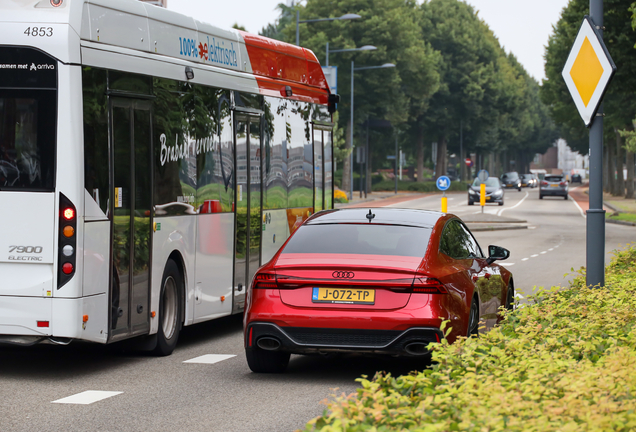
(563, 362)
(627, 217)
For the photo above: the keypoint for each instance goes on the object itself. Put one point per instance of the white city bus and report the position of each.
(149, 164)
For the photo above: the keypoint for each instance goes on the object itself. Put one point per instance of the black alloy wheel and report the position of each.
(473, 319)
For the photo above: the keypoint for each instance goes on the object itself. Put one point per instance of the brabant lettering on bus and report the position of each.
(191, 148)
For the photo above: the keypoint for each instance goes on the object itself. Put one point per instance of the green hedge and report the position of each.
(566, 361)
(389, 185)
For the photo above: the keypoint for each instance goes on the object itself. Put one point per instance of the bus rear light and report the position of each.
(43, 323)
(68, 231)
(67, 268)
(67, 241)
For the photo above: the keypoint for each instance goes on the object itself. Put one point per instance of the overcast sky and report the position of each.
(522, 27)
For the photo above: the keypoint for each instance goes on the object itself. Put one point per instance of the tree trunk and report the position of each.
(620, 157)
(611, 166)
(605, 170)
(440, 164)
(420, 154)
(630, 175)
(346, 165)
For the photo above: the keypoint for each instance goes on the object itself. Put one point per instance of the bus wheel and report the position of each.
(170, 319)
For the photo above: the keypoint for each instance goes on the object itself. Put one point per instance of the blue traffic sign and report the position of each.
(483, 175)
(443, 183)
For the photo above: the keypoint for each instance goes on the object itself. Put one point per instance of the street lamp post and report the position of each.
(298, 21)
(362, 48)
(354, 69)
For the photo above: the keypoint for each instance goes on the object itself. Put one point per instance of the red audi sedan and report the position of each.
(379, 281)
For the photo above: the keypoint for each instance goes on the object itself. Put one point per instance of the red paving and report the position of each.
(581, 198)
(388, 201)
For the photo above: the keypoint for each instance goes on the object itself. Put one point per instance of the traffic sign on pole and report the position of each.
(483, 176)
(443, 183)
(588, 70)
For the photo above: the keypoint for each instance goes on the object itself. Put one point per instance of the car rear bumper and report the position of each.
(306, 340)
(491, 200)
(553, 192)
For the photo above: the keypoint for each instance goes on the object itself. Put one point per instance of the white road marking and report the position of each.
(534, 256)
(507, 264)
(516, 205)
(577, 206)
(210, 358)
(544, 252)
(525, 259)
(551, 249)
(519, 295)
(88, 397)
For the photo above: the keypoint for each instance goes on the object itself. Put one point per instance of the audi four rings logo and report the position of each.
(343, 274)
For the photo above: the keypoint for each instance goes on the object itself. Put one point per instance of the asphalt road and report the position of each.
(168, 394)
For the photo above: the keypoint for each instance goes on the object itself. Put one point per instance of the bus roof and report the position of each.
(139, 26)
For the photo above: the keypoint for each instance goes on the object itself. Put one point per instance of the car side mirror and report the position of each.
(497, 253)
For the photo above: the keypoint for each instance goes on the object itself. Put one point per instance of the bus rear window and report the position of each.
(365, 239)
(27, 139)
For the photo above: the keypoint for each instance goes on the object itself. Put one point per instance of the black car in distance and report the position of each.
(576, 178)
(511, 180)
(528, 180)
(494, 191)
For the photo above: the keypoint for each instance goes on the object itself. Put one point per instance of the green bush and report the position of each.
(430, 186)
(563, 362)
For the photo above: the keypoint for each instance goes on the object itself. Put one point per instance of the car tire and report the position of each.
(470, 202)
(473, 319)
(510, 297)
(170, 319)
(565, 197)
(262, 361)
(540, 196)
(501, 203)
(519, 189)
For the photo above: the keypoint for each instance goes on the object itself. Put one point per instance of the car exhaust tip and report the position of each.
(417, 348)
(268, 343)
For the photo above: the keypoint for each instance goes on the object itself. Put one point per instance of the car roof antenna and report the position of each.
(370, 216)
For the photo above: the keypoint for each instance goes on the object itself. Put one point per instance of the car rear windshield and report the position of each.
(360, 239)
(511, 175)
(490, 182)
(28, 100)
(554, 178)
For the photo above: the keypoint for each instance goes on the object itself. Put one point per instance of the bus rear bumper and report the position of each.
(29, 320)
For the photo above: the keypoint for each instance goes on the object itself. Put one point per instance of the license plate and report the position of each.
(554, 185)
(343, 295)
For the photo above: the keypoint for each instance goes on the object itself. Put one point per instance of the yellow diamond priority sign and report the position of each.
(588, 71)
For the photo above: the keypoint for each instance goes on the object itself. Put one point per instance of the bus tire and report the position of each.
(170, 319)
(261, 361)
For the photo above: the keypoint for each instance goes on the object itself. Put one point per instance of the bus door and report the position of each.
(247, 249)
(132, 221)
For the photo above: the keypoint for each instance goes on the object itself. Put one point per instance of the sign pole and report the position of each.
(595, 244)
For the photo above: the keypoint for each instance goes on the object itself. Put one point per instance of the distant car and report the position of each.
(553, 185)
(377, 281)
(528, 180)
(576, 178)
(494, 191)
(511, 180)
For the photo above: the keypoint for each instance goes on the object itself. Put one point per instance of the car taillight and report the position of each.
(563, 183)
(427, 285)
(544, 183)
(67, 241)
(265, 280)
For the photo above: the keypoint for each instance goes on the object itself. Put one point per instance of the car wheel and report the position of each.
(519, 189)
(262, 361)
(470, 202)
(510, 297)
(170, 319)
(565, 197)
(473, 319)
(540, 196)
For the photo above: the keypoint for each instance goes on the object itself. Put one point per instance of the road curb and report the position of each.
(620, 222)
(611, 207)
(495, 228)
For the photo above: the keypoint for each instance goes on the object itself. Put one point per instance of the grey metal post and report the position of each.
(595, 252)
(396, 162)
(367, 168)
(362, 160)
(327, 57)
(351, 137)
(462, 162)
(297, 33)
